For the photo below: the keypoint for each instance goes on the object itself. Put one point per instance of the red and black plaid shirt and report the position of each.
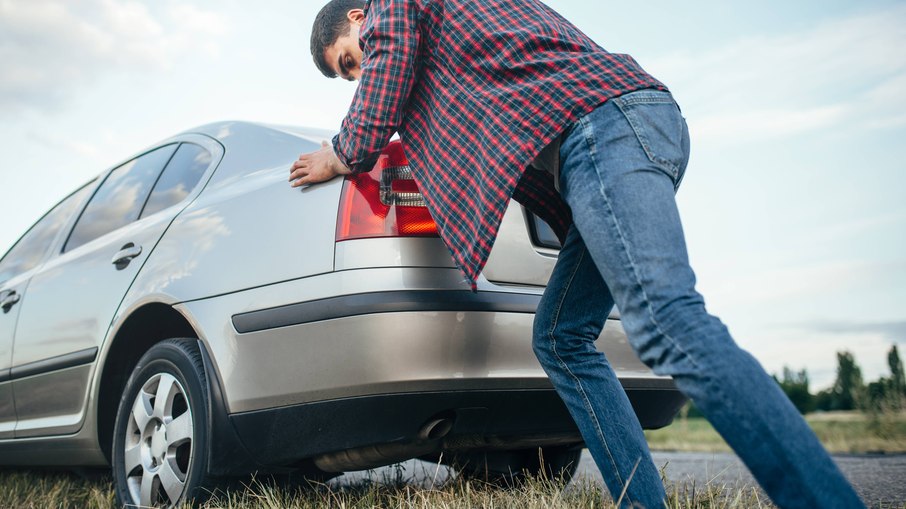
(476, 90)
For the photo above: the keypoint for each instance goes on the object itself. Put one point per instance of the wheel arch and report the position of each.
(145, 327)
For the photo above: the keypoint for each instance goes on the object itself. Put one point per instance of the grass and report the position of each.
(33, 490)
(840, 432)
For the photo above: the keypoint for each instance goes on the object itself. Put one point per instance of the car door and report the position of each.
(16, 268)
(74, 297)
(9, 295)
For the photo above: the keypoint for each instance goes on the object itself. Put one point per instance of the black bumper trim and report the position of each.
(284, 435)
(69, 360)
(384, 302)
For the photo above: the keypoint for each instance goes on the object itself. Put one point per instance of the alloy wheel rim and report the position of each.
(157, 449)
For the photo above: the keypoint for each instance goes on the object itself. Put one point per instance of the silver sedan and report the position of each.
(187, 317)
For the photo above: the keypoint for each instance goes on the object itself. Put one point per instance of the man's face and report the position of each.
(344, 56)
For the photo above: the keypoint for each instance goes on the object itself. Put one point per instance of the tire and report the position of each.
(161, 435)
(508, 468)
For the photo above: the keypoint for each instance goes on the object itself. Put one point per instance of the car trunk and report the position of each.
(525, 250)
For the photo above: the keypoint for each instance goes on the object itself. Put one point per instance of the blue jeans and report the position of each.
(621, 165)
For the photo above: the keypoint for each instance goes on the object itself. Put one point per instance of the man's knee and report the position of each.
(541, 341)
(679, 338)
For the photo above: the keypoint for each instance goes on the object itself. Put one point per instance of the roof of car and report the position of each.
(224, 129)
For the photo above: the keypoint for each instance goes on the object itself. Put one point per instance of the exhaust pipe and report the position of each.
(428, 440)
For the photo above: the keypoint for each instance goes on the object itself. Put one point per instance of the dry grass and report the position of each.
(33, 490)
(840, 432)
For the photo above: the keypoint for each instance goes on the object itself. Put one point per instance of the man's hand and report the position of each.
(317, 167)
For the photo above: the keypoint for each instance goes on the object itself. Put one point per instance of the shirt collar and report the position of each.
(365, 8)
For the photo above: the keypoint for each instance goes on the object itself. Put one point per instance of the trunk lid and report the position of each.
(525, 251)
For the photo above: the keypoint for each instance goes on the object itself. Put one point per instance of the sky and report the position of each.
(794, 202)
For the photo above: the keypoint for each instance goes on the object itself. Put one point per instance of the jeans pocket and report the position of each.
(659, 127)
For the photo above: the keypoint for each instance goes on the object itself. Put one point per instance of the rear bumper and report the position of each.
(482, 419)
(356, 358)
(397, 352)
(377, 331)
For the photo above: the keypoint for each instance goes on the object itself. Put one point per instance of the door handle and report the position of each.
(125, 255)
(9, 300)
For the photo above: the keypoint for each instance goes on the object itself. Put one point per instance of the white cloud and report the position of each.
(51, 48)
(770, 86)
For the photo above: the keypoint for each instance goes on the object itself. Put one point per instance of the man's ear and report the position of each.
(356, 16)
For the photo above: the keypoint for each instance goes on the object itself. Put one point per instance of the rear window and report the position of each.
(180, 176)
(542, 234)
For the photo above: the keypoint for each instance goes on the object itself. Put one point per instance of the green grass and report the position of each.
(840, 432)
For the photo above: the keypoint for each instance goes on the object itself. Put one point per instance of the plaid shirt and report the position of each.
(476, 90)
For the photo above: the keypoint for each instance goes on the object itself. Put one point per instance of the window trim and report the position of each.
(49, 250)
(159, 175)
(213, 146)
(106, 175)
(191, 193)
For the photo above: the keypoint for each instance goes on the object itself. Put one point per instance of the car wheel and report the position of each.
(506, 468)
(160, 439)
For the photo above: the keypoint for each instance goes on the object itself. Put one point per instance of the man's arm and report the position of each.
(388, 74)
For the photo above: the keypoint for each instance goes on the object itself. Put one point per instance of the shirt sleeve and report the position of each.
(390, 39)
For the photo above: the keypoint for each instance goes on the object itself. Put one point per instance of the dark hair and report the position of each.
(331, 23)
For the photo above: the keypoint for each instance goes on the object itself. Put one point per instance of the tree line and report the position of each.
(849, 391)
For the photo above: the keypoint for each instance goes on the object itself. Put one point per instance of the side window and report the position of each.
(119, 200)
(31, 248)
(179, 178)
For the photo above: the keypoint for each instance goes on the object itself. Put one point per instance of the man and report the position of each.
(477, 90)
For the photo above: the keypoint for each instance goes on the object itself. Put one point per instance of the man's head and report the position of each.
(335, 39)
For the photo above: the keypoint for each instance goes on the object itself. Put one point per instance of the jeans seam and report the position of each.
(644, 98)
(635, 273)
(577, 382)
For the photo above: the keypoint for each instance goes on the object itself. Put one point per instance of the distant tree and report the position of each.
(897, 378)
(848, 390)
(887, 393)
(795, 385)
(824, 400)
(878, 395)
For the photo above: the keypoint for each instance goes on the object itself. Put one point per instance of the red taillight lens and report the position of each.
(384, 202)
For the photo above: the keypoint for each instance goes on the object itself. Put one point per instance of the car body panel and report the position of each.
(392, 252)
(7, 328)
(514, 259)
(9, 319)
(52, 403)
(375, 353)
(232, 223)
(85, 289)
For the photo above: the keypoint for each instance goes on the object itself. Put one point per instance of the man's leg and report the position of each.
(620, 167)
(568, 321)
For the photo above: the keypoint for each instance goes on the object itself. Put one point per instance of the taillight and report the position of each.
(384, 202)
